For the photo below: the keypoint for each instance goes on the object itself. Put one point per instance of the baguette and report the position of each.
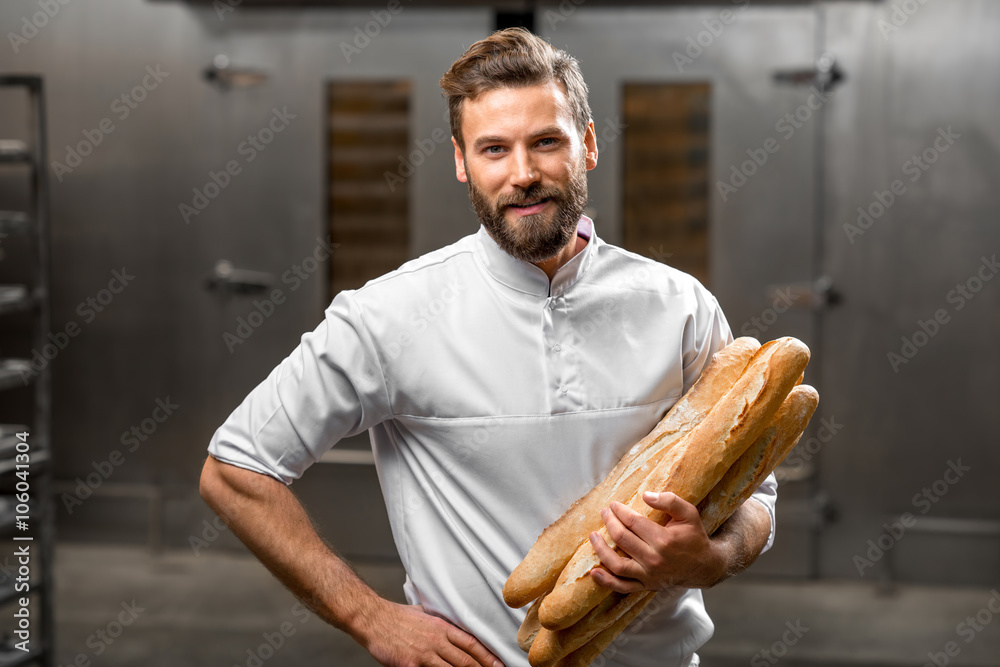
(737, 485)
(530, 627)
(540, 568)
(584, 655)
(551, 645)
(759, 461)
(691, 468)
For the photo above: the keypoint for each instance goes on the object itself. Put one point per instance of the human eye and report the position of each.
(493, 150)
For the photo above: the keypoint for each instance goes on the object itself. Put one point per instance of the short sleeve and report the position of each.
(330, 387)
(767, 495)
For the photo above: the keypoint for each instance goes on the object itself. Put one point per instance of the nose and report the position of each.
(523, 170)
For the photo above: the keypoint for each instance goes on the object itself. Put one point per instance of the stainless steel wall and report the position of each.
(912, 77)
(162, 336)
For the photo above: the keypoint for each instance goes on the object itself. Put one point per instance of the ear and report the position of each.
(590, 143)
(459, 163)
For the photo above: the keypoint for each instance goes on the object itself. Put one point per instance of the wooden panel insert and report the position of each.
(665, 171)
(368, 131)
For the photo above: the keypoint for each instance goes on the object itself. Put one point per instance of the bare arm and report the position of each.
(271, 522)
(742, 537)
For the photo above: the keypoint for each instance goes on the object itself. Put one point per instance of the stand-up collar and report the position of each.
(525, 276)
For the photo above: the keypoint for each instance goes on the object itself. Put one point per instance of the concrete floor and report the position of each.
(216, 608)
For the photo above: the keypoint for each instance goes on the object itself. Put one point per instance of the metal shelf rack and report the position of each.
(28, 155)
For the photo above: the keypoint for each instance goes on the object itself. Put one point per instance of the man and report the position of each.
(501, 378)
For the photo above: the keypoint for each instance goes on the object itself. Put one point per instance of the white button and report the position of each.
(563, 390)
(557, 347)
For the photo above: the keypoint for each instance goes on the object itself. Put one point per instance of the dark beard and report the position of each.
(534, 238)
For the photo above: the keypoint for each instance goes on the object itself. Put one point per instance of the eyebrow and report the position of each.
(496, 139)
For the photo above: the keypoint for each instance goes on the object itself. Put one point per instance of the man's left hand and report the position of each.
(659, 557)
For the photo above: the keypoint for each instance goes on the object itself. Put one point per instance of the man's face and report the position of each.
(526, 163)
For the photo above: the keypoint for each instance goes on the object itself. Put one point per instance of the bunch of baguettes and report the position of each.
(713, 449)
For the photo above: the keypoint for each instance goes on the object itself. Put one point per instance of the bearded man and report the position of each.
(500, 378)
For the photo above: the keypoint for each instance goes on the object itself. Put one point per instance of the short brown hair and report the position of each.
(512, 58)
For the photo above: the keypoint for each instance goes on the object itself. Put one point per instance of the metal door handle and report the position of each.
(825, 75)
(228, 279)
(817, 294)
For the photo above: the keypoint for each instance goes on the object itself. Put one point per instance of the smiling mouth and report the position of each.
(530, 203)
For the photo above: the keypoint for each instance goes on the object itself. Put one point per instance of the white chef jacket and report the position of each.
(493, 400)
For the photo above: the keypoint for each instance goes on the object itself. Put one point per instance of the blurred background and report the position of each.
(184, 186)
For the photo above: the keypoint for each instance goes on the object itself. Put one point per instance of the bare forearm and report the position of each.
(742, 537)
(270, 521)
(274, 526)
